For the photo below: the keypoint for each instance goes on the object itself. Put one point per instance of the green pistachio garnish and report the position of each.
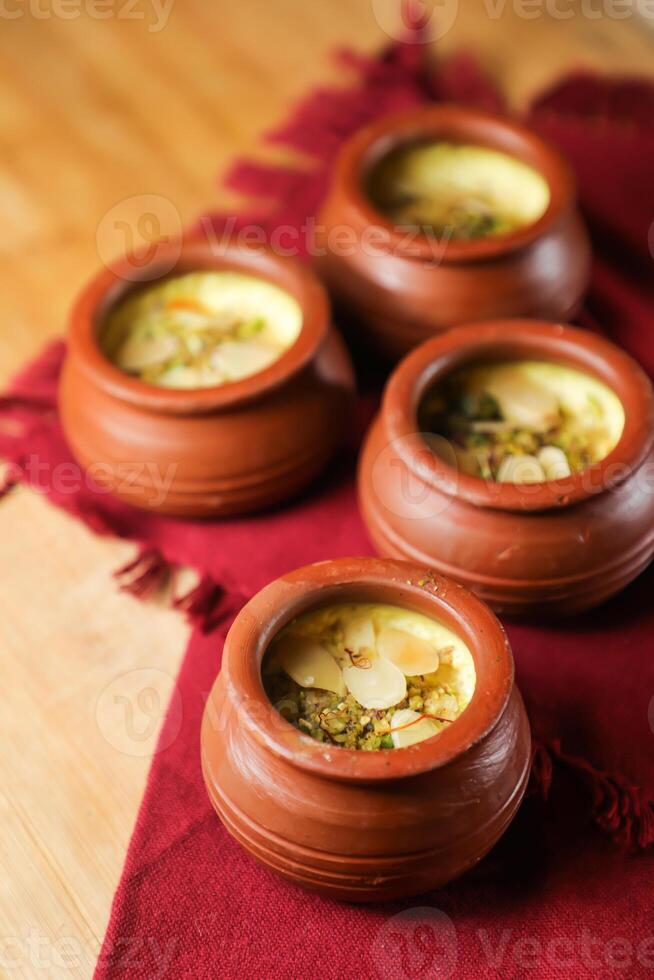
(201, 329)
(523, 422)
(342, 674)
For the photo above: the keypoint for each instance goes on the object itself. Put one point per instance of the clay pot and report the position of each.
(405, 287)
(355, 825)
(555, 547)
(211, 451)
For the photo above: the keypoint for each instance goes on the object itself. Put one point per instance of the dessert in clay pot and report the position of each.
(201, 329)
(365, 737)
(204, 384)
(366, 676)
(517, 457)
(522, 421)
(456, 190)
(453, 215)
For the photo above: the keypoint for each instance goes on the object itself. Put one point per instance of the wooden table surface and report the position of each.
(94, 114)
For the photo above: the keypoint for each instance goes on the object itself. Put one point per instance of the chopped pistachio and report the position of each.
(313, 648)
(201, 329)
(514, 422)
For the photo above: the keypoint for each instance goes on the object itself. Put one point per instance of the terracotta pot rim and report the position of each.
(490, 129)
(368, 579)
(119, 277)
(538, 339)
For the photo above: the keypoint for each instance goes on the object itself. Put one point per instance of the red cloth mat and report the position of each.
(555, 898)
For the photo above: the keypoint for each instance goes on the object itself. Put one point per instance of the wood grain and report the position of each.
(93, 112)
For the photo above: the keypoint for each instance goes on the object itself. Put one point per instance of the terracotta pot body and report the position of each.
(403, 287)
(213, 451)
(557, 547)
(365, 826)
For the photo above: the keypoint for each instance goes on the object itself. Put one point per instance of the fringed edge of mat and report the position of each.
(206, 604)
(621, 810)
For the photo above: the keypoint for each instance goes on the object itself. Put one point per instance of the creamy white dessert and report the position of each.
(368, 675)
(201, 329)
(460, 190)
(523, 421)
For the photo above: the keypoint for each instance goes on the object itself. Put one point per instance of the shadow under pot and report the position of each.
(443, 215)
(518, 458)
(200, 384)
(365, 737)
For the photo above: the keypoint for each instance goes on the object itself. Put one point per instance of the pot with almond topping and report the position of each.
(365, 737)
(518, 457)
(368, 676)
(453, 215)
(213, 385)
(201, 329)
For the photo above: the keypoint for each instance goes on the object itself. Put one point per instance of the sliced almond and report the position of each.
(491, 427)
(140, 351)
(523, 402)
(520, 469)
(309, 664)
(240, 358)
(408, 652)
(409, 727)
(554, 462)
(358, 634)
(379, 686)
